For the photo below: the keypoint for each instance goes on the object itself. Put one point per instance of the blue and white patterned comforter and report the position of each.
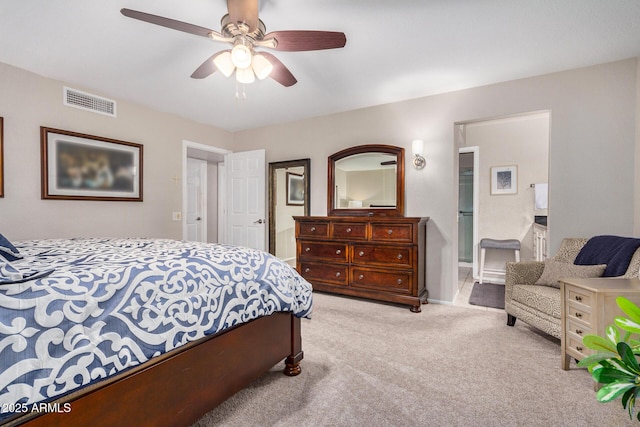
(110, 304)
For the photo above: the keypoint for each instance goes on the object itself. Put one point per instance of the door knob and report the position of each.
(258, 221)
(198, 219)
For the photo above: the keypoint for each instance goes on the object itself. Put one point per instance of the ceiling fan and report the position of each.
(242, 29)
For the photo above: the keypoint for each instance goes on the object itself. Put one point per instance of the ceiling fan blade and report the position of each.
(174, 24)
(244, 11)
(296, 41)
(207, 67)
(280, 72)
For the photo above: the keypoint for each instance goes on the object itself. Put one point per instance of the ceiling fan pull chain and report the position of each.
(244, 94)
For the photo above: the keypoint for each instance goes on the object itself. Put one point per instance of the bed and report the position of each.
(147, 331)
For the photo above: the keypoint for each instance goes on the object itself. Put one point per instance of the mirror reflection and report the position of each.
(365, 180)
(288, 197)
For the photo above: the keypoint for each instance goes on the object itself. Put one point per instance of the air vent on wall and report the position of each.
(86, 101)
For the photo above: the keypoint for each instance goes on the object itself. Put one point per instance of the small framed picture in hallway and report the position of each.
(504, 180)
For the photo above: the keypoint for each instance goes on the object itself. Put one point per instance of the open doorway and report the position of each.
(520, 144)
(201, 189)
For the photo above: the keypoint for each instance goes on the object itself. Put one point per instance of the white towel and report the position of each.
(541, 195)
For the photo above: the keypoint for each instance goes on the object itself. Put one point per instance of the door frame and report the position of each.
(476, 201)
(206, 150)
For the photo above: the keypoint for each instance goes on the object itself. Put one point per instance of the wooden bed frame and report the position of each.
(180, 387)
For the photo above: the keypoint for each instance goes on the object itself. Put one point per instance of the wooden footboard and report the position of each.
(180, 387)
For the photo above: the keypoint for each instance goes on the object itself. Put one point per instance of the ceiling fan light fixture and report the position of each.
(245, 75)
(261, 66)
(241, 56)
(224, 64)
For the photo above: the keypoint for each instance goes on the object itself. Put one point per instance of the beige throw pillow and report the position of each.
(555, 270)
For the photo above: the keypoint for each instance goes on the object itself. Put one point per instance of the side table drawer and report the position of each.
(578, 295)
(576, 348)
(579, 312)
(577, 328)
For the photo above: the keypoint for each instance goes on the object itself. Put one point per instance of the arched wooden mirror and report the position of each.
(288, 197)
(366, 180)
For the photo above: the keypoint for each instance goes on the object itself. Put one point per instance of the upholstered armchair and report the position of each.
(532, 293)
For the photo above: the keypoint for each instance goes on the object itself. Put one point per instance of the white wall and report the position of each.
(29, 101)
(592, 146)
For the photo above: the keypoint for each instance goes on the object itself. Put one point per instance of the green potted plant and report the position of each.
(615, 365)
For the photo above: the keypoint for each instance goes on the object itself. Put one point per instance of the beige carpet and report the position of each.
(373, 364)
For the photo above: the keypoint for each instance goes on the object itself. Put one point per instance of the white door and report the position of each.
(246, 208)
(196, 212)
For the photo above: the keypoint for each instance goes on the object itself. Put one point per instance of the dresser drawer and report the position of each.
(392, 232)
(313, 229)
(381, 280)
(331, 273)
(331, 251)
(349, 231)
(397, 256)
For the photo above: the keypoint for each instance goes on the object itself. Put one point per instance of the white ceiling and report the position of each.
(395, 50)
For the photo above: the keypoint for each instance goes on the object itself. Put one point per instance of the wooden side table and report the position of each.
(588, 307)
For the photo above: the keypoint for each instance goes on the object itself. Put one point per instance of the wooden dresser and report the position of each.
(588, 307)
(381, 258)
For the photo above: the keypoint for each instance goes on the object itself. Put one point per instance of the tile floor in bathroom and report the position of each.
(465, 285)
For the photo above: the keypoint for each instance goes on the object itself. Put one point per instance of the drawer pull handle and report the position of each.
(361, 276)
(361, 253)
(399, 256)
(313, 229)
(579, 348)
(338, 274)
(579, 331)
(307, 249)
(389, 231)
(399, 281)
(338, 252)
(306, 270)
(578, 298)
(349, 230)
(578, 315)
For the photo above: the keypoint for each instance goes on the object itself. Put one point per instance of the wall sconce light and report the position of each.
(418, 160)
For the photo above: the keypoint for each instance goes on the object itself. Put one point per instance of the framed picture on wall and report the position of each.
(1, 158)
(76, 166)
(295, 189)
(504, 180)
